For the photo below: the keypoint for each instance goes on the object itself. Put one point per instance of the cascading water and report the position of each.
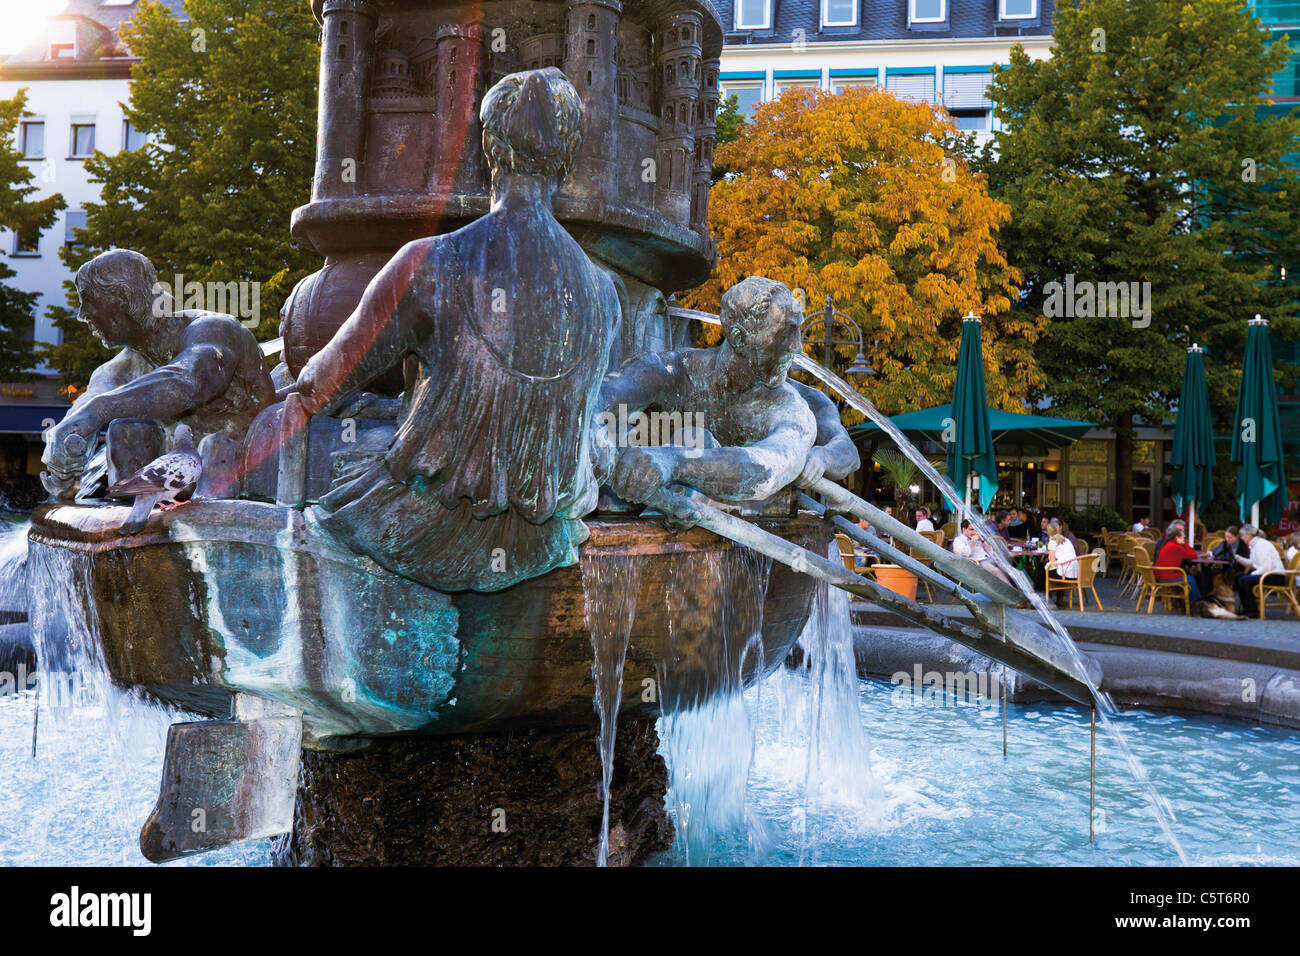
(839, 768)
(98, 756)
(609, 589)
(16, 663)
(1105, 706)
(708, 741)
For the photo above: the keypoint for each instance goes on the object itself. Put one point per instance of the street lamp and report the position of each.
(828, 321)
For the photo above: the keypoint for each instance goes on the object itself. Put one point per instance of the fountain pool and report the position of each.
(943, 795)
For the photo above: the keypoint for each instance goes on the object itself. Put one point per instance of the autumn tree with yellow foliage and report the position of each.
(870, 199)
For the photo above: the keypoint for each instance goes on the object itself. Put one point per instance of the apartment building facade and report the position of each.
(939, 51)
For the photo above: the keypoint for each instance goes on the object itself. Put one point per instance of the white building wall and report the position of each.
(57, 103)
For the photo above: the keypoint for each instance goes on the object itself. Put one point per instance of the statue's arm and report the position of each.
(834, 455)
(373, 339)
(201, 371)
(653, 378)
(757, 470)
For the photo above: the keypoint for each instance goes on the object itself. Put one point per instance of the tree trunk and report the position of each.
(1124, 468)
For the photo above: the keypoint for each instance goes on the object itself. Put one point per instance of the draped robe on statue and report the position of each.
(489, 473)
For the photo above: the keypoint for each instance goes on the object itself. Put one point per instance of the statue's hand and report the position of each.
(59, 487)
(640, 472)
(682, 513)
(814, 468)
(67, 449)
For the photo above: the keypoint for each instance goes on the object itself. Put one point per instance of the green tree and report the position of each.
(229, 100)
(21, 213)
(730, 122)
(1137, 153)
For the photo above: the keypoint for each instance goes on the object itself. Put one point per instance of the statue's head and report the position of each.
(532, 125)
(761, 319)
(118, 290)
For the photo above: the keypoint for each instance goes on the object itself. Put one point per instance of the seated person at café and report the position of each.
(1174, 526)
(1062, 558)
(1044, 534)
(1263, 558)
(923, 522)
(1019, 524)
(1171, 557)
(1224, 583)
(1292, 547)
(1231, 546)
(1002, 525)
(1142, 524)
(969, 543)
(866, 525)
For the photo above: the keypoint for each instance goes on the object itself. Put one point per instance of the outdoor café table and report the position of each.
(1031, 563)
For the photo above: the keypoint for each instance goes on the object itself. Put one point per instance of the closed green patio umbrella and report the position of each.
(1257, 437)
(1193, 455)
(968, 438)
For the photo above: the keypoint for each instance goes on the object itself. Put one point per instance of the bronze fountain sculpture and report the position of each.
(376, 593)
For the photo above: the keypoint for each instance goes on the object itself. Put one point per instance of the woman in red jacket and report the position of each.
(1170, 560)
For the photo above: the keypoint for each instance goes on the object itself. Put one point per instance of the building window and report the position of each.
(839, 13)
(27, 242)
(1017, 9)
(841, 83)
(83, 140)
(132, 138)
(74, 219)
(748, 95)
(33, 140)
(927, 11)
(799, 83)
(63, 40)
(971, 120)
(753, 14)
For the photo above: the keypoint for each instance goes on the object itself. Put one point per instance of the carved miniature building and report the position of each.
(399, 154)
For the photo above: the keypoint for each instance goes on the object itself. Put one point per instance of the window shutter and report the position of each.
(966, 90)
(918, 86)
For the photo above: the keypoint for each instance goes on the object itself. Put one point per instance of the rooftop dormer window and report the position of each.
(753, 14)
(1017, 9)
(927, 11)
(63, 40)
(839, 13)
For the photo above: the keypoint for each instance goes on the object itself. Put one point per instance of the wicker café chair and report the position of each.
(938, 537)
(1281, 585)
(1114, 543)
(850, 558)
(1212, 541)
(929, 563)
(1141, 549)
(950, 530)
(1087, 574)
(847, 554)
(1128, 574)
(1167, 591)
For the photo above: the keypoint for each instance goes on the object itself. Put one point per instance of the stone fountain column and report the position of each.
(519, 799)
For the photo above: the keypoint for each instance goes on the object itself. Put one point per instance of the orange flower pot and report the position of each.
(897, 579)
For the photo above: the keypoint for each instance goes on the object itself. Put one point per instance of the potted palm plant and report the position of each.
(904, 476)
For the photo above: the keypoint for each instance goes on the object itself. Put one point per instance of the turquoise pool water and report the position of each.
(938, 792)
(944, 794)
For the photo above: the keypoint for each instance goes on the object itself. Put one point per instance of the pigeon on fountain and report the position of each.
(164, 481)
